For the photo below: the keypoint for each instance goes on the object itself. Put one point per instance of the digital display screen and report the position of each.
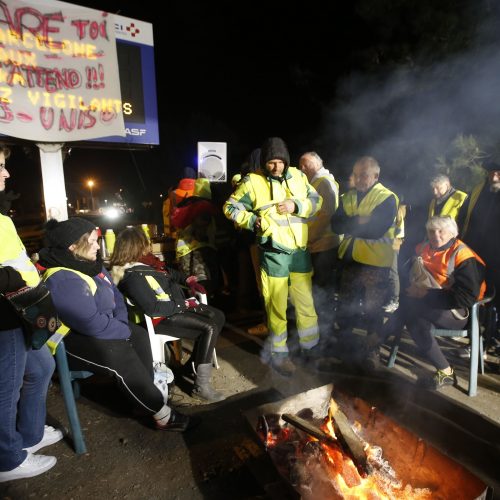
(132, 90)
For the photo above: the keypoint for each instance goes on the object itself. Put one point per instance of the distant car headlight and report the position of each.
(112, 213)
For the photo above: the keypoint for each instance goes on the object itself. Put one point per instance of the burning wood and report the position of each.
(399, 465)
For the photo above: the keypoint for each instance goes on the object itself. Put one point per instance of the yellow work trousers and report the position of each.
(281, 273)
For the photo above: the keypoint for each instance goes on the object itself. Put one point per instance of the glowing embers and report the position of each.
(399, 465)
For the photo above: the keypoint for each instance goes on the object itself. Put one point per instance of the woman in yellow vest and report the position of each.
(156, 290)
(101, 339)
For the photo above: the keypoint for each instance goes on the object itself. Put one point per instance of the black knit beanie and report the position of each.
(274, 148)
(64, 234)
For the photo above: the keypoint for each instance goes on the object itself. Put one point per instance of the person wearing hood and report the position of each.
(276, 202)
(25, 373)
(323, 242)
(157, 291)
(101, 339)
(184, 190)
(195, 250)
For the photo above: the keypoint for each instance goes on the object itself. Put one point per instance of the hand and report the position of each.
(191, 303)
(257, 222)
(194, 286)
(286, 207)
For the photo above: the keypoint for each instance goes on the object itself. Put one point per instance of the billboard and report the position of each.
(136, 66)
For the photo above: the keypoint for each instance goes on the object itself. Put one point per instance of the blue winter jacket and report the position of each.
(102, 315)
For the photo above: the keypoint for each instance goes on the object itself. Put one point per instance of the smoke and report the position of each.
(408, 117)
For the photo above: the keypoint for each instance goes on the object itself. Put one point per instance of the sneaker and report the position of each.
(176, 423)
(33, 465)
(283, 365)
(438, 380)
(50, 436)
(260, 329)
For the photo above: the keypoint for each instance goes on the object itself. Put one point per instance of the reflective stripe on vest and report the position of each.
(451, 207)
(442, 264)
(63, 330)
(378, 252)
(13, 253)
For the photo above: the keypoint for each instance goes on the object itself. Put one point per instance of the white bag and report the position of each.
(163, 376)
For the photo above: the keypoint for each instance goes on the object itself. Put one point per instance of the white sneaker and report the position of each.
(50, 436)
(33, 465)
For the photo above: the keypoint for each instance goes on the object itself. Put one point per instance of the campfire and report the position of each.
(342, 448)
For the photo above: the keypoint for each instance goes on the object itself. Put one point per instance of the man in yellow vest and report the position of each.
(276, 203)
(322, 242)
(367, 218)
(447, 200)
(480, 227)
(25, 373)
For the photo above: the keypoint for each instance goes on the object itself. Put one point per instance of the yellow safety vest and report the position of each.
(13, 253)
(319, 225)
(451, 207)
(472, 203)
(187, 242)
(136, 315)
(379, 252)
(258, 196)
(63, 330)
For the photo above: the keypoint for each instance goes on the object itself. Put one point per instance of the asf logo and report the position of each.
(135, 131)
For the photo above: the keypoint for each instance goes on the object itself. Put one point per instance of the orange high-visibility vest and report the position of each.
(442, 263)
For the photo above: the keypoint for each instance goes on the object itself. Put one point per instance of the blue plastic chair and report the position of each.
(71, 391)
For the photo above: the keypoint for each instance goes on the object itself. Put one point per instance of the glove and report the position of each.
(194, 286)
(191, 303)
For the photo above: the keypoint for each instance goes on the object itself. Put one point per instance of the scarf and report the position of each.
(154, 262)
(62, 257)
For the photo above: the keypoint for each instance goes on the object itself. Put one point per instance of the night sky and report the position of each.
(398, 79)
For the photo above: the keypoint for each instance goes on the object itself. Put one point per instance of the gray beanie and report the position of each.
(64, 234)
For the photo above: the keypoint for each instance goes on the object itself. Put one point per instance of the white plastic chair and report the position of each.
(158, 340)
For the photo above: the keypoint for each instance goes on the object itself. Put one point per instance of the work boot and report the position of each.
(202, 388)
(283, 365)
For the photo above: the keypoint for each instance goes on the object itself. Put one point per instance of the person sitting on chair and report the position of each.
(156, 290)
(446, 279)
(101, 339)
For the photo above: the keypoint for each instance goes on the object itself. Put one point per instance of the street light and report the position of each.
(90, 184)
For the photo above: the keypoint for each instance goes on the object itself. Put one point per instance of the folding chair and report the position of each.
(473, 331)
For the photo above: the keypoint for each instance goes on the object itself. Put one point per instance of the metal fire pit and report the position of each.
(415, 461)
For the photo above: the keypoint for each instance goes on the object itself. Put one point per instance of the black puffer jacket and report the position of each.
(132, 282)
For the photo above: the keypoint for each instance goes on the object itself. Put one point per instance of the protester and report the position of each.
(101, 339)
(322, 241)
(157, 291)
(25, 373)
(446, 280)
(276, 203)
(446, 199)
(367, 218)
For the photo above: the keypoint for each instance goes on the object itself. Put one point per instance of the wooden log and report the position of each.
(349, 442)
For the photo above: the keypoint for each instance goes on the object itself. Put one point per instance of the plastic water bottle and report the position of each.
(145, 228)
(110, 240)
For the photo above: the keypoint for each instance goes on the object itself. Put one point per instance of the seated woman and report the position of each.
(440, 293)
(156, 290)
(101, 338)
